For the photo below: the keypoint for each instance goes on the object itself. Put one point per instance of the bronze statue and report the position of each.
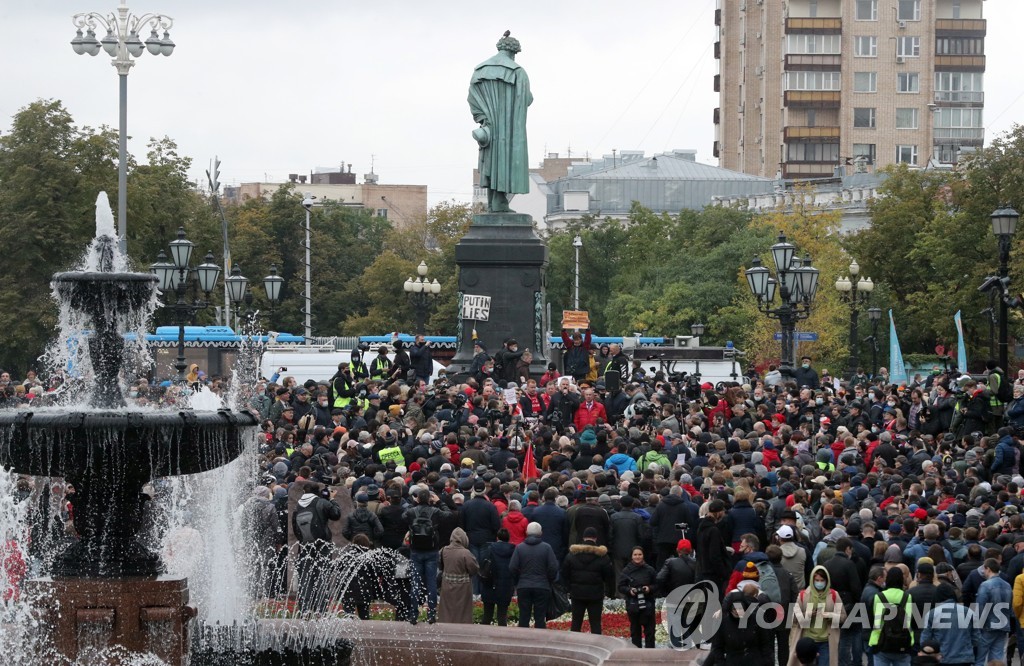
(499, 93)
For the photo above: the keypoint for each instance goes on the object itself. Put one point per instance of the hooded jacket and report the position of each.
(515, 522)
(588, 572)
(812, 604)
(322, 510)
(671, 510)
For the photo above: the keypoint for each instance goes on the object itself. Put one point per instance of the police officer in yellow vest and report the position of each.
(380, 365)
(342, 386)
(386, 449)
(358, 368)
(823, 460)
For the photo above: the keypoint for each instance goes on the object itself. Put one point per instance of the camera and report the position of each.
(307, 203)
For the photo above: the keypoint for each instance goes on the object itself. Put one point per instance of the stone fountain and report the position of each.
(109, 583)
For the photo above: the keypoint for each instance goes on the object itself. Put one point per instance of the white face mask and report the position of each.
(819, 585)
(806, 365)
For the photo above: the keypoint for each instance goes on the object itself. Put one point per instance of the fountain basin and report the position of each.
(108, 456)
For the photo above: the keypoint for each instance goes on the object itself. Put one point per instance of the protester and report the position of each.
(589, 573)
(457, 567)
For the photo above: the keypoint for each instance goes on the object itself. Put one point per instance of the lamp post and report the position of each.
(123, 44)
(307, 310)
(1004, 225)
(239, 293)
(421, 293)
(577, 243)
(874, 316)
(272, 285)
(174, 276)
(797, 285)
(856, 293)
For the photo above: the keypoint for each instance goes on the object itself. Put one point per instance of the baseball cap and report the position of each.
(785, 532)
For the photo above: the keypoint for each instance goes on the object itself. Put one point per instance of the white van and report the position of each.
(316, 363)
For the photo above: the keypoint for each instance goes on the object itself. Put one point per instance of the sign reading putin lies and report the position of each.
(476, 308)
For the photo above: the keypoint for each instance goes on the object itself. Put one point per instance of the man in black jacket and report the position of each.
(588, 572)
(310, 522)
(481, 522)
(678, 570)
(591, 515)
(423, 551)
(671, 511)
(712, 557)
(421, 358)
(628, 530)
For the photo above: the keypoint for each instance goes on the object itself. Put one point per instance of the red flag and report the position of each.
(529, 463)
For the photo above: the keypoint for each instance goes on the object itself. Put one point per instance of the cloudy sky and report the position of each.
(278, 87)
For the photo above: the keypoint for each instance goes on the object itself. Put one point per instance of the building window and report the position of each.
(812, 152)
(906, 118)
(864, 118)
(959, 46)
(867, 10)
(866, 82)
(909, 10)
(908, 47)
(814, 80)
(812, 117)
(956, 9)
(908, 82)
(946, 153)
(804, 44)
(812, 9)
(959, 87)
(906, 154)
(382, 212)
(865, 47)
(864, 150)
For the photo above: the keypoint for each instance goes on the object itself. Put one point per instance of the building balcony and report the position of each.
(718, 17)
(718, 50)
(718, 83)
(808, 169)
(960, 63)
(814, 99)
(824, 134)
(959, 97)
(814, 61)
(717, 115)
(821, 26)
(715, 150)
(965, 136)
(960, 27)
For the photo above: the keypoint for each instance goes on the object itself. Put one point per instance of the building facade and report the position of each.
(806, 86)
(401, 204)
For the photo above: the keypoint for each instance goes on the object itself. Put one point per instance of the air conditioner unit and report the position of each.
(758, 141)
(900, 60)
(902, 25)
(758, 35)
(739, 108)
(743, 40)
(741, 143)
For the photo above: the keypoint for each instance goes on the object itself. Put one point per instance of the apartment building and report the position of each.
(806, 86)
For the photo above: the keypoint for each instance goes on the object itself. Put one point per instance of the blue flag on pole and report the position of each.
(961, 349)
(897, 371)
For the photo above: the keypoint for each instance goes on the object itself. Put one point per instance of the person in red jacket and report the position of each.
(589, 412)
(515, 522)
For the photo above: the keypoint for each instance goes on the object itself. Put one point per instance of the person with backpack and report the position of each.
(422, 519)
(496, 580)
(995, 595)
(363, 521)
(1000, 391)
(588, 572)
(787, 597)
(818, 614)
(1007, 457)
(892, 639)
(310, 522)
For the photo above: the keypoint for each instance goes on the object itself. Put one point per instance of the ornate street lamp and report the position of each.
(855, 291)
(422, 293)
(1004, 225)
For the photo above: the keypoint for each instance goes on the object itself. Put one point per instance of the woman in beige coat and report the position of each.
(456, 567)
(818, 614)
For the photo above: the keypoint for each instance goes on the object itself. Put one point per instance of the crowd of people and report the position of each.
(878, 522)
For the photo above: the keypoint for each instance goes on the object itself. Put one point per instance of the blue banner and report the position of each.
(961, 349)
(897, 371)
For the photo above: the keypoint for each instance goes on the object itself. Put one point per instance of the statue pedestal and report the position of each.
(502, 257)
(146, 614)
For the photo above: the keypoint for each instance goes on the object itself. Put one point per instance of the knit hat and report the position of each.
(750, 571)
(893, 554)
(807, 651)
(590, 533)
(684, 544)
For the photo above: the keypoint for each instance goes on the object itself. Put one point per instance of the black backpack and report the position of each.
(1004, 392)
(307, 525)
(894, 635)
(422, 534)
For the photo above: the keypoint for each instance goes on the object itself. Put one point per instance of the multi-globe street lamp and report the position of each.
(421, 292)
(796, 283)
(174, 276)
(855, 292)
(239, 292)
(123, 44)
(874, 316)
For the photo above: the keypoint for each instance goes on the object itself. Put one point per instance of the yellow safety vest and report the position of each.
(392, 453)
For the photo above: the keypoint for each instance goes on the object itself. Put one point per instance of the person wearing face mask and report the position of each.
(818, 615)
(322, 411)
(805, 375)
